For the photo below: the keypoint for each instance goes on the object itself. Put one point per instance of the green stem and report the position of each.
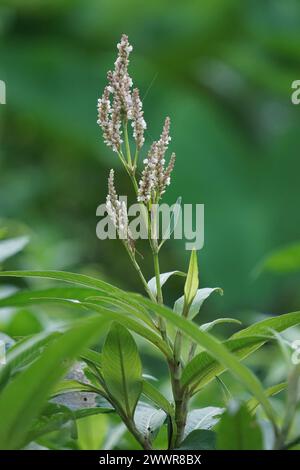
(139, 271)
(157, 278)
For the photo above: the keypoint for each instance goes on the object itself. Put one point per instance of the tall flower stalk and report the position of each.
(120, 105)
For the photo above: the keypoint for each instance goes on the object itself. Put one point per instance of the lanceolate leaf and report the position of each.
(122, 369)
(192, 280)
(23, 398)
(97, 287)
(67, 386)
(29, 297)
(200, 296)
(72, 278)
(163, 279)
(279, 323)
(133, 325)
(203, 368)
(218, 321)
(252, 404)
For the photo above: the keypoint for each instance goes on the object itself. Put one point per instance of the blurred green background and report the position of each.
(222, 70)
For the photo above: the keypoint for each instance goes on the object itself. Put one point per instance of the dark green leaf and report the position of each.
(238, 430)
(122, 368)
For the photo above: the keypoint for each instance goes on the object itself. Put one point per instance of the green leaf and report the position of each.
(149, 420)
(81, 279)
(199, 298)
(218, 321)
(163, 279)
(283, 260)
(279, 323)
(55, 416)
(122, 368)
(127, 321)
(24, 352)
(67, 386)
(192, 280)
(72, 278)
(252, 404)
(133, 325)
(31, 297)
(91, 431)
(203, 368)
(238, 430)
(203, 418)
(92, 357)
(126, 307)
(220, 353)
(157, 398)
(12, 246)
(19, 409)
(199, 440)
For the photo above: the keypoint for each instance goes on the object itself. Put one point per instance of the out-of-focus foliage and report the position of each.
(221, 70)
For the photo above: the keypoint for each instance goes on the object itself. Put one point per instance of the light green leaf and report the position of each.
(133, 325)
(72, 278)
(218, 321)
(149, 420)
(192, 280)
(122, 368)
(157, 398)
(92, 357)
(203, 418)
(238, 430)
(252, 404)
(81, 279)
(163, 279)
(30, 297)
(283, 260)
(12, 246)
(204, 368)
(67, 386)
(19, 409)
(200, 296)
(92, 431)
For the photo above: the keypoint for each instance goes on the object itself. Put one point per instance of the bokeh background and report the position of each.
(223, 72)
